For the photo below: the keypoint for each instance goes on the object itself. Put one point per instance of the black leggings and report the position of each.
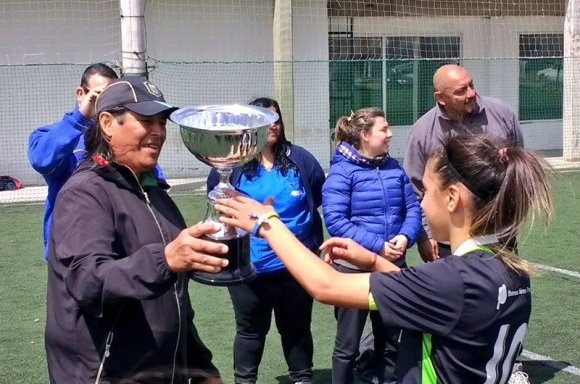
(349, 328)
(253, 305)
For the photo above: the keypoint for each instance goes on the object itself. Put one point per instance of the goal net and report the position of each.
(320, 59)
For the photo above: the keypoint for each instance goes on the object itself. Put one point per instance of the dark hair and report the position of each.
(98, 69)
(281, 147)
(348, 128)
(95, 141)
(508, 185)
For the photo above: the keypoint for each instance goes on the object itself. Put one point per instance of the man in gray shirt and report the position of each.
(459, 109)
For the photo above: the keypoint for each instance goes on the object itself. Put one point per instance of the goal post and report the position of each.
(133, 38)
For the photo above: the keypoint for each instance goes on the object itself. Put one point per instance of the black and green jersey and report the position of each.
(464, 318)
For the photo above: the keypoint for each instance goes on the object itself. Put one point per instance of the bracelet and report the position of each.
(262, 219)
(375, 257)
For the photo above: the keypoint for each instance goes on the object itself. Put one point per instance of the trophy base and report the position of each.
(239, 270)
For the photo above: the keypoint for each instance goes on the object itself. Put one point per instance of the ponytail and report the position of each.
(341, 130)
(348, 128)
(508, 188)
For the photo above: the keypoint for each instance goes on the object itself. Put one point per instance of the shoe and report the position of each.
(368, 376)
(518, 375)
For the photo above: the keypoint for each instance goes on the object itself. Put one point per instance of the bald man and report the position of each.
(458, 109)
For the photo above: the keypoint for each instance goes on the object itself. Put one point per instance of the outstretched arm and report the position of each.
(354, 253)
(320, 280)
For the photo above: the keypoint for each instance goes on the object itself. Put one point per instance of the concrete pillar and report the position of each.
(283, 65)
(571, 113)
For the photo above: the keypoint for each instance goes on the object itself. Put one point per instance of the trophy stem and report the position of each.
(224, 183)
(218, 192)
(240, 268)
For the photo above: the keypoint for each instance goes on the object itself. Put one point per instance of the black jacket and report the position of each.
(111, 296)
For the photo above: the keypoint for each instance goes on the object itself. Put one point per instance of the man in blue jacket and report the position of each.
(55, 150)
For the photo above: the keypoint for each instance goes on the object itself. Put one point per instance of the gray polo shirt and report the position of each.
(430, 131)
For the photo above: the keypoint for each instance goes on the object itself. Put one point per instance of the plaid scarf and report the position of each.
(353, 156)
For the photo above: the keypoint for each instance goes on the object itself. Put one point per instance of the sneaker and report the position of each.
(518, 375)
(368, 377)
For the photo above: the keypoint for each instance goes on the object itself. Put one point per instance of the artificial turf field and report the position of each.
(553, 330)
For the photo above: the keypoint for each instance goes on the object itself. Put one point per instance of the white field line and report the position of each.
(552, 363)
(557, 270)
(193, 193)
(546, 359)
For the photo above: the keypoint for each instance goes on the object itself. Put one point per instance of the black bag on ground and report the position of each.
(9, 183)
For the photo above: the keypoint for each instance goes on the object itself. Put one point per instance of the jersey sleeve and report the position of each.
(428, 298)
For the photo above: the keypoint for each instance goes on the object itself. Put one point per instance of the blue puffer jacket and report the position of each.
(369, 201)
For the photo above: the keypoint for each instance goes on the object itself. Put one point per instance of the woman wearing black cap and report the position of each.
(119, 257)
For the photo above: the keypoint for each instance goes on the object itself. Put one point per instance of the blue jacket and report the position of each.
(369, 201)
(54, 151)
(311, 176)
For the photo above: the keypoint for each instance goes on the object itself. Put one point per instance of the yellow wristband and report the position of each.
(263, 219)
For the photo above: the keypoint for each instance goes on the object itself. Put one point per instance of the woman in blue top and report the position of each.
(368, 198)
(293, 178)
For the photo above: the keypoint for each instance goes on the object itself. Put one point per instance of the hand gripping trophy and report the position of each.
(224, 137)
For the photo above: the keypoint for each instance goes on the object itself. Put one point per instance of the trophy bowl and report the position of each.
(223, 137)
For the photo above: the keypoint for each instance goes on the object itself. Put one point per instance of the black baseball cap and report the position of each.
(137, 94)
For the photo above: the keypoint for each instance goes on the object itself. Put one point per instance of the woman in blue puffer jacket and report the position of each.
(367, 197)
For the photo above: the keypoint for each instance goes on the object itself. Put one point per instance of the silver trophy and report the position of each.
(224, 137)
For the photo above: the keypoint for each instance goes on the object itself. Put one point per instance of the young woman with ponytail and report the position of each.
(463, 317)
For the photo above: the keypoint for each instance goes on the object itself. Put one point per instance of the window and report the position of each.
(541, 75)
(355, 75)
(392, 73)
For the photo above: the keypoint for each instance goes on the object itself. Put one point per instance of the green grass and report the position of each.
(553, 328)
